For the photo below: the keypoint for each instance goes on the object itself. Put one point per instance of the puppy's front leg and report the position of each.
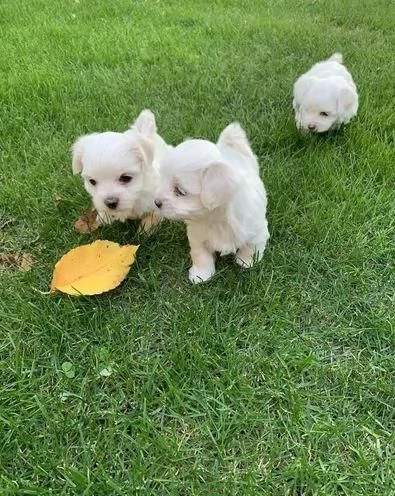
(103, 218)
(248, 254)
(245, 256)
(148, 222)
(203, 264)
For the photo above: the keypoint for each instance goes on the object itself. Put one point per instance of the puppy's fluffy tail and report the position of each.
(145, 123)
(337, 57)
(233, 140)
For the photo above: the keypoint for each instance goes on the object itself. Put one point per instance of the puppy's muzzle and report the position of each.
(158, 203)
(111, 202)
(311, 128)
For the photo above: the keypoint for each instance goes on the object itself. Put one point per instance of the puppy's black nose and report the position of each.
(158, 203)
(311, 127)
(111, 203)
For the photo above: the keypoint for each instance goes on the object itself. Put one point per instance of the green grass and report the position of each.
(272, 381)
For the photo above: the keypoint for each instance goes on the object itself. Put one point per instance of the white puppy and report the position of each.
(121, 172)
(217, 190)
(325, 96)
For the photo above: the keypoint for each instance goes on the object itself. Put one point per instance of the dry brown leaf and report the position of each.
(87, 222)
(26, 261)
(7, 259)
(22, 261)
(93, 269)
(58, 200)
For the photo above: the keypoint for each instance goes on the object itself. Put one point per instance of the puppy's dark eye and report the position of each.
(324, 114)
(125, 179)
(93, 182)
(178, 191)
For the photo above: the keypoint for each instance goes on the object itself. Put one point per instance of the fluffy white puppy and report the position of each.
(325, 96)
(217, 190)
(121, 170)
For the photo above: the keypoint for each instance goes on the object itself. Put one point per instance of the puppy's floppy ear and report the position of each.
(300, 88)
(145, 123)
(77, 151)
(219, 183)
(144, 148)
(347, 99)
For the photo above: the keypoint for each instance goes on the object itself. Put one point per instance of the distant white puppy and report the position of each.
(217, 190)
(121, 172)
(325, 96)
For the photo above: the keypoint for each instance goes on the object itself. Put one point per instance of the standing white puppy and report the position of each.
(325, 97)
(217, 190)
(121, 170)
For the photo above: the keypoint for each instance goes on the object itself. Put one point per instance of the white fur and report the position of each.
(107, 157)
(327, 88)
(217, 190)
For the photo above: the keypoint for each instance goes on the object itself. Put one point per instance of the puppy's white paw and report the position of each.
(102, 218)
(197, 275)
(245, 256)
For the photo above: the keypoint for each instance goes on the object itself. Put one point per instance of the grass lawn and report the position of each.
(277, 380)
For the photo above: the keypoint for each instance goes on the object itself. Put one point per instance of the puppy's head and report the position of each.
(322, 104)
(114, 167)
(195, 180)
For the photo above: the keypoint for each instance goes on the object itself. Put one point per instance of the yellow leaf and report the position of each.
(93, 269)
